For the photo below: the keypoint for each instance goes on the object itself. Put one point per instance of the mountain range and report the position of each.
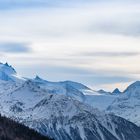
(68, 110)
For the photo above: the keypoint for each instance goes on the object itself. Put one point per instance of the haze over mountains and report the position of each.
(69, 110)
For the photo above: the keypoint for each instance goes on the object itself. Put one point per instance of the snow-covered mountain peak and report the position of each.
(7, 69)
(7, 72)
(133, 86)
(38, 78)
(133, 90)
(116, 91)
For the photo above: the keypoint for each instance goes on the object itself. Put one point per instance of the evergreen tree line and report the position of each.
(11, 130)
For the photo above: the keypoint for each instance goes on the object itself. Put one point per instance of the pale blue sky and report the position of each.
(95, 42)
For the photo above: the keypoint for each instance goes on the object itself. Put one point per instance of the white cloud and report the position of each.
(57, 34)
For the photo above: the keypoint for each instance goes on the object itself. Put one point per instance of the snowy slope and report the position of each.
(9, 79)
(77, 91)
(68, 88)
(100, 101)
(128, 105)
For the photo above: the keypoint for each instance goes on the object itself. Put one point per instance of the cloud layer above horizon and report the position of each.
(96, 42)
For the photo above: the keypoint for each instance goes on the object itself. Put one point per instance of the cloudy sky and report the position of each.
(96, 42)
